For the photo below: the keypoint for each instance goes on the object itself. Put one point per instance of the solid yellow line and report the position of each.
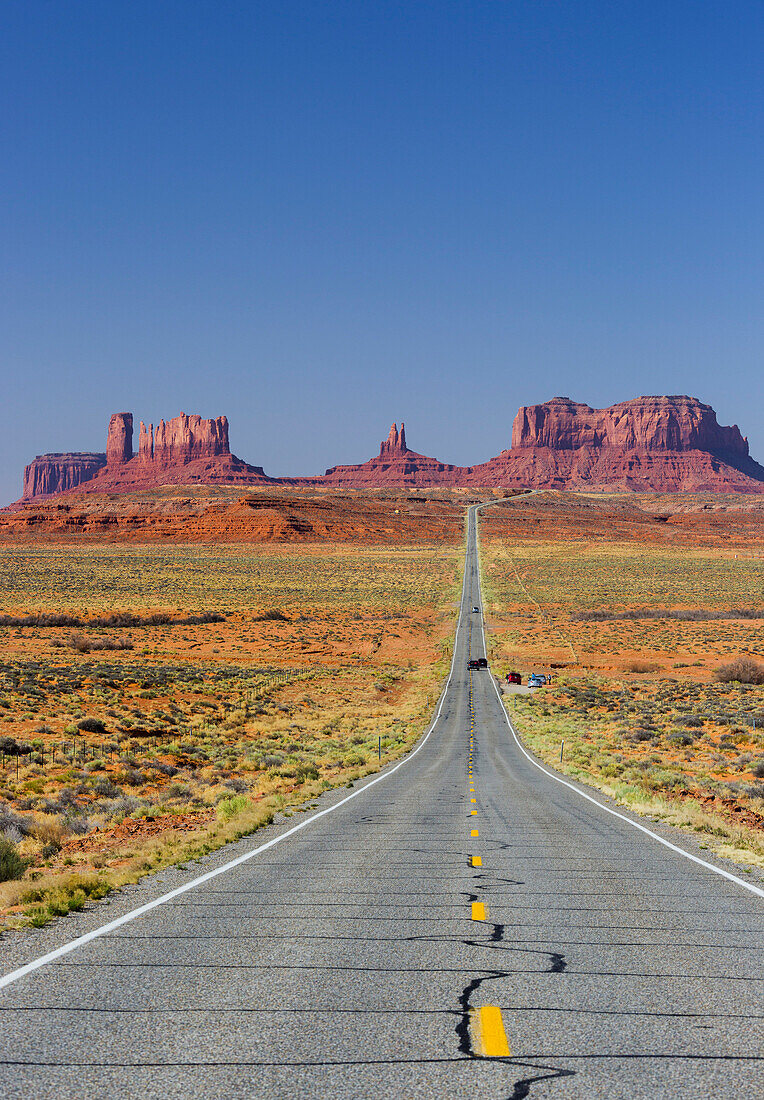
(491, 1038)
(477, 861)
(478, 910)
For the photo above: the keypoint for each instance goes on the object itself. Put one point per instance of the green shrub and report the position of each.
(12, 866)
(228, 808)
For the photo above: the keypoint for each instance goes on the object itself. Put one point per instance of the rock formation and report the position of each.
(146, 443)
(119, 439)
(395, 444)
(394, 465)
(647, 423)
(185, 438)
(183, 450)
(660, 444)
(55, 473)
(664, 444)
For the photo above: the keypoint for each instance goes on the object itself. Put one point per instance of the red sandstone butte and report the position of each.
(658, 444)
(183, 450)
(56, 473)
(394, 465)
(661, 444)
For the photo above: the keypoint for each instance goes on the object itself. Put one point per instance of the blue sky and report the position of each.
(321, 217)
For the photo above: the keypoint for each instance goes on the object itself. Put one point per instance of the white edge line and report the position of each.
(622, 817)
(80, 941)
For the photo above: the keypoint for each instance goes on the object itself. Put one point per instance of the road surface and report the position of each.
(369, 954)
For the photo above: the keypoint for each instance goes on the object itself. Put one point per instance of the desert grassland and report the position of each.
(124, 749)
(637, 701)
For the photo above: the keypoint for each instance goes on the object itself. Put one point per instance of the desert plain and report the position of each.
(179, 666)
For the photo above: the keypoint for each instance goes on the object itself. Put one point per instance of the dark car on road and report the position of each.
(473, 664)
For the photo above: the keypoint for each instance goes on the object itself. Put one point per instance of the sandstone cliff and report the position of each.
(647, 423)
(394, 465)
(119, 439)
(185, 438)
(183, 450)
(664, 444)
(55, 473)
(661, 444)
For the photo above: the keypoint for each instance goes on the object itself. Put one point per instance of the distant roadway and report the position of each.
(439, 931)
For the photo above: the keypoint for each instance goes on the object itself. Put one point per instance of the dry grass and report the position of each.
(636, 631)
(262, 680)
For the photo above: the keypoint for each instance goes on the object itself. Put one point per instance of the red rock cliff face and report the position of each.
(119, 439)
(394, 465)
(185, 438)
(395, 444)
(644, 424)
(55, 473)
(665, 444)
(661, 444)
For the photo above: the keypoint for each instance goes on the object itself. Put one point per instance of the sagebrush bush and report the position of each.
(91, 725)
(12, 866)
(743, 669)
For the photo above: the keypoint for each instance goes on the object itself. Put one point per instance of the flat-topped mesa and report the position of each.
(677, 423)
(119, 439)
(395, 444)
(55, 473)
(185, 438)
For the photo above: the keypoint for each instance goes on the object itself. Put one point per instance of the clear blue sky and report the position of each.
(322, 217)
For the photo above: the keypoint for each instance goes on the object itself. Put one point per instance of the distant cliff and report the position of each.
(662, 444)
(55, 473)
(657, 443)
(185, 449)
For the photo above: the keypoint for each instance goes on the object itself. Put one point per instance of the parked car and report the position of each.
(514, 678)
(536, 681)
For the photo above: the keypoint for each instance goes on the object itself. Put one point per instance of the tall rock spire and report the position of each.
(395, 444)
(119, 441)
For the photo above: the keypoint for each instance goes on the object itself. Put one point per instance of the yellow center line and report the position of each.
(475, 832)
(477, 861)
(488, 1034)
(478, 910)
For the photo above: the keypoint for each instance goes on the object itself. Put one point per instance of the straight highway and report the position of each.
(465, 925)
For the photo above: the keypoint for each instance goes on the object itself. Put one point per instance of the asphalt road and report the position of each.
(344, 960)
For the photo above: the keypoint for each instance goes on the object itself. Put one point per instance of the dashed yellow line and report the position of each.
(478, 910)
(477, 861)
(488, 1035)
(475, 832)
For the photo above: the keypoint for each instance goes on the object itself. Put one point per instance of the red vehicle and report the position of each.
(514, 678)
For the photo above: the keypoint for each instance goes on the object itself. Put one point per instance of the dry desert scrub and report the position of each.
(654, 651)
(256, 680)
